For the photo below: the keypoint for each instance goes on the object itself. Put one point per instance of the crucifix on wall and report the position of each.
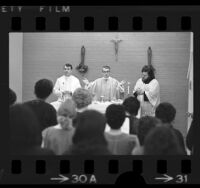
(116, 42)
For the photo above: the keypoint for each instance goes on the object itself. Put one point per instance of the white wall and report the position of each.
(190, 84)
(15, 63)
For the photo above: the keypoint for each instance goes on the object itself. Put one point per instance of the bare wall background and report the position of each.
(44, 55)
(15, 63)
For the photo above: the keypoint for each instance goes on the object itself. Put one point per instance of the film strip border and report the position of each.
(89, 23)
(99, 170)
(113, 24)
(102, 19)
(88, 166)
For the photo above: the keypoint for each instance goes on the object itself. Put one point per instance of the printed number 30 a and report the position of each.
(79, 179)
(181, 179)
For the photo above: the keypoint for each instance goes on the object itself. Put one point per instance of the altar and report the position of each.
(101, 106)
(95, 105)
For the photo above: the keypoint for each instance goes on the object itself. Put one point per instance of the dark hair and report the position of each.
(24, 128)
(89, 134)
(146, 123)
(90, 126)
(12, 97)
(131, 105)
(165, 112)
(150, 70)
(106, 67)
(162, 141)
(43, 88)
(115, 115)
(68, 65)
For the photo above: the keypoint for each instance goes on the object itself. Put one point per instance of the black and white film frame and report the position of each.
(98, 169)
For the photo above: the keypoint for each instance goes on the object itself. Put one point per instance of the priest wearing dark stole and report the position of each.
(147, 90)
(105, 88)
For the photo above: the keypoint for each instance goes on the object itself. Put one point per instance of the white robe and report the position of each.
(152, 91)
(109, 89)
(64, 83)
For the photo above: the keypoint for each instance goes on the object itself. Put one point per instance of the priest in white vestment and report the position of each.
(147, 90)
(65, 86)
(105, 88)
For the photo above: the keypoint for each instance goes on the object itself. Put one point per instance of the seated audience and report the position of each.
(89, 137)
(12, 97)
(119, 143)
(166, 113)
(59, 138)
(45, 112)
(146, 124)
(25, 132)
(132, 105)
(162, 140)
(82, 97)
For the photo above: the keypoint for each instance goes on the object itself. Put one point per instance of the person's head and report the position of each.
(66, 113)
(82, 97)
(131, 105)
(115, 116)
(162, 141)
(148, 73)
(43, 88)
(146, 123)
(67, 69)
(24, 128)
(106, 71)
(90, 126)
(165, 112)
(12, 97)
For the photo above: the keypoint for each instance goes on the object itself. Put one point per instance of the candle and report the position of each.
(128, 88)
(102, 98)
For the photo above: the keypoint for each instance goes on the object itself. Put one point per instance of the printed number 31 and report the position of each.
(181, 179)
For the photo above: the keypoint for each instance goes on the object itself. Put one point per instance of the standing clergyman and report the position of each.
(66, 84)
(105, 88)
(147, 90)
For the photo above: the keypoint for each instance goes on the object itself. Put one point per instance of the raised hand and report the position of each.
(122, 82)
(86, 81)
(139, 91)
(121, 86)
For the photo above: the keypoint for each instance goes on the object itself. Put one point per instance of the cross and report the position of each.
(149, 55)
(116, 42)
